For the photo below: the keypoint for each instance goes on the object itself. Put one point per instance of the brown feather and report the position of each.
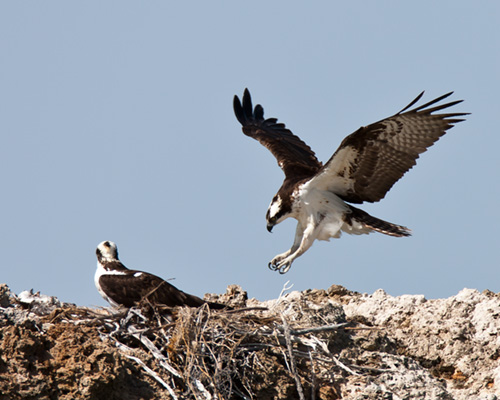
(130, 290)
(295, 158)
(369, 161)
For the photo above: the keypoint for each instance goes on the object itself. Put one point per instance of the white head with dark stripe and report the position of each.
(106, 251)
(277, 212)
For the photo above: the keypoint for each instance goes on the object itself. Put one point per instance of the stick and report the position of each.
(324, 328)
(335, 359)
(300, 390)
(154, 375)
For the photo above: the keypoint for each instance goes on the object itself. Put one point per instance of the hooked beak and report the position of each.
(270, 227)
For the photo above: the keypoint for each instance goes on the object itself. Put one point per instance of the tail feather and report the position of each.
(376, 224)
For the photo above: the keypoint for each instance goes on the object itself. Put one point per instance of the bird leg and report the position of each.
(275, 262)
(304, 239)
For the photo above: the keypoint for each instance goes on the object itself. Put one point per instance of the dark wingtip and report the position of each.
(238, 110)
(244, 111)
(236, 103)
(413, 102)
(258, 112)
(425, 107)
(247, 104)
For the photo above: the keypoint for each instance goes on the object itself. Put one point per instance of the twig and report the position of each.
(154, 375)
(169, 368)
(364, 328)
(298, 332)
(245, 309)
(285, 288)
(335, 359)
(313, 377)
(300, 390)
(154, 350)
(202, 389)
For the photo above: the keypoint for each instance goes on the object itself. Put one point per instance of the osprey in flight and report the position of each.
(364, 168)
(121, 286)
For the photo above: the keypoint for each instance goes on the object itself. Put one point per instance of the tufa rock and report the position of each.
(323, 344)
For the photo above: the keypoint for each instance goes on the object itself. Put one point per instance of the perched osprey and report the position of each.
(364, 168)
(121, 286)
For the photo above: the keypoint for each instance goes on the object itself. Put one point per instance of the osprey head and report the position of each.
(276, 212)
(107, 251)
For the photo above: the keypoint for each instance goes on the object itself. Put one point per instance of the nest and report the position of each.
(244, 353)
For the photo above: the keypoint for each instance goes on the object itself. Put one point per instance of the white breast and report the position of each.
(98, 273)
(322, 208)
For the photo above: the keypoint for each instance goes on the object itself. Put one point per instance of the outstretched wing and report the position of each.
(134, 286)
(295, 158)
(368, 162)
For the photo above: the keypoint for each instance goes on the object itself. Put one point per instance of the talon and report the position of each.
(285, 268)
(279, 263)
(273, 265)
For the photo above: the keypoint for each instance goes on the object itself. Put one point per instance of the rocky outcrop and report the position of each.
(317, 344)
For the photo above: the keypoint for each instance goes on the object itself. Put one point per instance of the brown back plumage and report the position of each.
(369, 161)
(132, 288)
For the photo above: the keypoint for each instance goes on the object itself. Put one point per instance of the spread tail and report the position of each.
(376, 224)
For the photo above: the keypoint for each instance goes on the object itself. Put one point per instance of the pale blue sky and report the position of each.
(116, 123)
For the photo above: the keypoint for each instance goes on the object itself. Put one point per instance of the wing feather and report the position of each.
(132, 289)
(295, 158)
(369, 161)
